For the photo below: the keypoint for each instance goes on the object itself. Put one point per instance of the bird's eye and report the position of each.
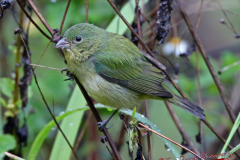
(78, 38)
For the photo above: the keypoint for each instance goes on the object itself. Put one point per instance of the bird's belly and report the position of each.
(107, 93)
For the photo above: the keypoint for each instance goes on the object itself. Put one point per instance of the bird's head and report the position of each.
(81, 41)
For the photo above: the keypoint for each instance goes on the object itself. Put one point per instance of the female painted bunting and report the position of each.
(113, 71)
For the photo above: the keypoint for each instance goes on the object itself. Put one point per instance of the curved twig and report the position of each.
(64, 16)
(29, 17)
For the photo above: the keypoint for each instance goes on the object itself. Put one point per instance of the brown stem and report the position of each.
(199, 15)
(49, 110)
(42, 54)
(219, 137)
(86, 16)
(18, 62)
(198, 78)
(208, 63)
(82, 131)
(225, 14)
(138, 22)
(130, 27)
(64, 16)
(140, 47)
(120, 140)
(29, 17)
(148, 135)
(50, 30)
(148, 128)
(98, 118)
(52, 114)
(180, 127)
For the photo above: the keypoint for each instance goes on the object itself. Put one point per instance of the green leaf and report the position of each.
(7, 142)
(70, 126)
(232, 151)
(45, 131)
(117, 25)
(143, 119)
(234, 128)
(133, 113)
(3, 102)
(6, 86)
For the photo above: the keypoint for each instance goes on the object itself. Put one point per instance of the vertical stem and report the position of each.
(180, 128)
(200, 102)
(86, 18)
(50, 30)
(138, 22)
(148, 135)
(64, 16)
(18, 61)
(98, 118)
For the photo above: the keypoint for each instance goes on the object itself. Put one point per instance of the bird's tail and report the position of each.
(188, 106)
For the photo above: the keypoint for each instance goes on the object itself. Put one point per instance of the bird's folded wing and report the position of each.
(131, 72)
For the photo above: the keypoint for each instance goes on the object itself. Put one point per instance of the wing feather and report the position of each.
(127, 67)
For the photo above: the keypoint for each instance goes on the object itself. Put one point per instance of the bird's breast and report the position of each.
(102, 91)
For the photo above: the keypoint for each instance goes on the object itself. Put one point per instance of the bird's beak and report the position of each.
(63, 43)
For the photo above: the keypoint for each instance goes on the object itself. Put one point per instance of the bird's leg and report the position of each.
(68, 73)
(102, 125)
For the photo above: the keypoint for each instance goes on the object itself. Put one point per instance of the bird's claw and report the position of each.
(102, 125)
(68, 73)
(64, 70)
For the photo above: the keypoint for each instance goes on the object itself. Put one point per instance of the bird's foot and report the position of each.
(102, 125)
(68, 73)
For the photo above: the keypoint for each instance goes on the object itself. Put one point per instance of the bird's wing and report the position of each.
(132, 72)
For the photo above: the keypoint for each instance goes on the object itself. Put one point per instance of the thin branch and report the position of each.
(46, 67)
(220, 137)
(137, 10)
(89, 116)
(49, 110)
(98, 118)
(180, 127)
(225, 14)
(43, 53)
(200, 134)
(86, 16)
(208, 63)
(200, 101)
(228, 67)
(148, 128)
(130, 27)
(199, 15)
(64, 16)
(138, 22)
(18, 61)
(53, 117)
(122, 134)
(29, 17)
(50, 30)
(232, 13)
(12, 156)
(148, 135)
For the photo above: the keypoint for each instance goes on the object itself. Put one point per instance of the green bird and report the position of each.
(114, 72)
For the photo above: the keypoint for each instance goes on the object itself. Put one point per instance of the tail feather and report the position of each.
(188, 106)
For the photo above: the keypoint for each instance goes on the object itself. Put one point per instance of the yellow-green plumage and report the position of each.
(113, 71)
